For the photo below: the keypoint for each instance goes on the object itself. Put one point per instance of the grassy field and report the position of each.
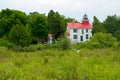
(54, 64)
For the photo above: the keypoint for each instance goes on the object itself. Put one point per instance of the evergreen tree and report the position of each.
(51, 21)
(70, 19)
(117, 34)
(97, 26)
(56, 24)
(111, 24)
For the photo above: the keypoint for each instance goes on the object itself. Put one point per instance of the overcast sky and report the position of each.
(69, 8)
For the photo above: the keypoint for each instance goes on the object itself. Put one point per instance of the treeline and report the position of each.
(19, 28)
(110, 25)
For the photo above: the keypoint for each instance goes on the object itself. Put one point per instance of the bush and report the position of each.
(63, 43)
(105, 39)
(5, 42)
(20, 35)
(31, 48)
(119, 43)
(100, 40)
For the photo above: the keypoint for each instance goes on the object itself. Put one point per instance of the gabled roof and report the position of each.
(75, 25)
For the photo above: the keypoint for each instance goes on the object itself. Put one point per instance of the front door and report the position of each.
(81, 38)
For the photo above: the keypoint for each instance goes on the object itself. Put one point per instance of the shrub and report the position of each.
(100, 40)
(104, 40)
(19, 35)
(63, 43)
(5, 42)
(4, 53)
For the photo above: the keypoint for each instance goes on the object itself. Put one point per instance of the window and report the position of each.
(86, 30)
(82, 31)
(75, 30)
(81, 38)
(86, 36)
(74, 36)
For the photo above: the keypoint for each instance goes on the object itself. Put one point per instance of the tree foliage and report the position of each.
(39, 27)
(56, 24)
(70, 19)
(16, 26)
(100, 40)
(112, 24)
(39, 24)
(117, 34)
(9, 18)
(98, 26)
(19, 35)
(104, 40)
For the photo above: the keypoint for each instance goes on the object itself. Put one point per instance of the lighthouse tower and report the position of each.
(85, 18)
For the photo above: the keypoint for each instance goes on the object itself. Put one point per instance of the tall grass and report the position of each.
(55, 64)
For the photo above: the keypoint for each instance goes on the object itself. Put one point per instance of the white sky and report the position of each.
(69, 8)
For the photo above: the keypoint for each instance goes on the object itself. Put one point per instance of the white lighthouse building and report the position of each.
(79, 31)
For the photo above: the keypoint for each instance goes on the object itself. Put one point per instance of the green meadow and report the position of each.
(56, 64)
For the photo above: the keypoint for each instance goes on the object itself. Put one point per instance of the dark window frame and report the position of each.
(87, 36)
(75, 37)
(81, 38)
(74, 30)
(82, 31)
(86, 30)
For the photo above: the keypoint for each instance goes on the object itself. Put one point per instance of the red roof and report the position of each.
(84, 24)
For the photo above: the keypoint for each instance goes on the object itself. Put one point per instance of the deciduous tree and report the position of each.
(9, 18)
(19, 35)
(39, 27)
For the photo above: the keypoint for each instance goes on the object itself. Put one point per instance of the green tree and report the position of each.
(60, 26)
(39, 27)
(117, 34)
(98, 26)
(64, 25)
(69, 19)
(20, 35)
(9, 18)
(112, 24)
(51, 21)
(56, 24)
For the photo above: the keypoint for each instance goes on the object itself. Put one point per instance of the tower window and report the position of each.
(85, 18)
